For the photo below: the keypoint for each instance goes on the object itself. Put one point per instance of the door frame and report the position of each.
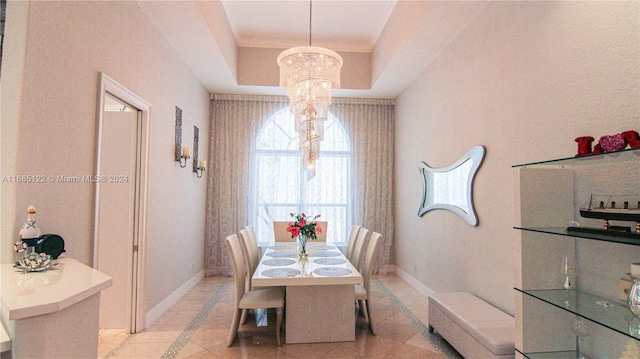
(135, 309)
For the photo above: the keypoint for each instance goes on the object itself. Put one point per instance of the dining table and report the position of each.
(320, 294)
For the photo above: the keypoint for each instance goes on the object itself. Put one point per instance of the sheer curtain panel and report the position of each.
(369, 124)
(235, 120)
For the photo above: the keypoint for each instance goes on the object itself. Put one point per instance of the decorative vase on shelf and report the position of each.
(581, 329)
(302, 250)
(30, 232)
(568, 269)
(634, 296)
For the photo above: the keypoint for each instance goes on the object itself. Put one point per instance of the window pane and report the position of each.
(336, 220)
(282, 185)
(330, 183)
(278, 133)
(266, 215)
(279, 179)
(335, 138)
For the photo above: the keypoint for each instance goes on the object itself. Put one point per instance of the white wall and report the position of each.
(66, 45)
(524, 80)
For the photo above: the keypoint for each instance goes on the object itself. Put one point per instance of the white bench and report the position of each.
(475, 328)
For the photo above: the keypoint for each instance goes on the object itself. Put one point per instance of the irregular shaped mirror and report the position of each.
(452, 187)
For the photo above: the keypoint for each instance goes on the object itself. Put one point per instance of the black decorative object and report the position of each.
(178, 150)
(196, 136)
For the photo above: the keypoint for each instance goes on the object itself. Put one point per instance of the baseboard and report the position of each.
(414, 283)
(171, 299)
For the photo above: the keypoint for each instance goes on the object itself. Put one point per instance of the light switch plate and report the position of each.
(623, 289)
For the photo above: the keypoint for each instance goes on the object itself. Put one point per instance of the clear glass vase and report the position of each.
(302, 248)
(634, 297)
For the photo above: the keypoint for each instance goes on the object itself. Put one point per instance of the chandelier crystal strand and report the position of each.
(310, 152)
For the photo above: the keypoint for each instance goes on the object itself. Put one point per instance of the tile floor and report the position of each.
(197, 326)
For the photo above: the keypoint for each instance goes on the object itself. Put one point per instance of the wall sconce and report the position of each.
(184, 156)
(202, 166)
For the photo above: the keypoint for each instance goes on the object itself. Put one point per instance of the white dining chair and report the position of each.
(353, 235)
(359, 248)
(254, 299)
(252, 259)
(252, 234)
(280, 233)
(362, 291)
(251, 253)
(322, 237)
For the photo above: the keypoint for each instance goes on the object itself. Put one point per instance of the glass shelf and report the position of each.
(618, 317)
(594, 236)
(624, 155)
(550, 355)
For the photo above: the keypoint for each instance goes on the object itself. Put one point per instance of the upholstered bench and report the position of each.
(475, 328)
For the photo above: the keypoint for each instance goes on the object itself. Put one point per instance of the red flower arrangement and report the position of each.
(304, 225)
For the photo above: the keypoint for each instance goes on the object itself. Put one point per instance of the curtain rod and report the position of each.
(273, 98)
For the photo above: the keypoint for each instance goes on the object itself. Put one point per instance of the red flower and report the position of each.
(318, 228)
(295, 231)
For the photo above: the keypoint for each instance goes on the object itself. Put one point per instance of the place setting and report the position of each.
(332, 271)
(280, 272)
(321, 247)
(279, 247)
(280, 254)
(330, 261)
(278, 262)
(326, 254)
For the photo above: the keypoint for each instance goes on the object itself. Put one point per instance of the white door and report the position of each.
(120, 204)
(116, 213)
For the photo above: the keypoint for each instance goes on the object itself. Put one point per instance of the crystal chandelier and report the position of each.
(309, 73)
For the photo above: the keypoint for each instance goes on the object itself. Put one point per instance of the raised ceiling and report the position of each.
(232, 45)
(352, 26)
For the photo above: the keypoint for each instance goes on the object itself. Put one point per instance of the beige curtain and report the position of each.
(370, 127)
(235, 121)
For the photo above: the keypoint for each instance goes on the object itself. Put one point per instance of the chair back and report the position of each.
(252, 234)
(322, 237)
(374, 244)
(358, 250)
(353, 235)
(239, 269)
(280, 233)
(251, 254)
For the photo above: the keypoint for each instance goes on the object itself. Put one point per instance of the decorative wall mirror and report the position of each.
(451, 187)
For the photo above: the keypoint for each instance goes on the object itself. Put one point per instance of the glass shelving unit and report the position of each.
(623, 155)
(616, 317)
(562, 231)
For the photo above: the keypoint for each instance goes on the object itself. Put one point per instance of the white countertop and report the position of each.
(306, 267)
(27, 295)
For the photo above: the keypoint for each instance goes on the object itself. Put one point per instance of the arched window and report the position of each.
(282, 186)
